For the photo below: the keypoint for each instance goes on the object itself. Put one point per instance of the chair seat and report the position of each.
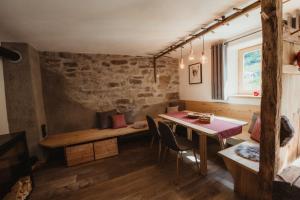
(184, 144)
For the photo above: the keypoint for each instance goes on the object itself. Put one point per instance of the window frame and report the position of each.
(241, 52)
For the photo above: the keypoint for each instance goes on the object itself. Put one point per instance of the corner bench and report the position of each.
(242, 137)
(244, 172)
(87, 145)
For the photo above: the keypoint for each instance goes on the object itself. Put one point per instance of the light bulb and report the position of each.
(181, 65)
(203, 58)
(191, 56)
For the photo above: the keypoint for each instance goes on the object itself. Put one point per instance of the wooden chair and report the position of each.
(155, 134)
(177, 144)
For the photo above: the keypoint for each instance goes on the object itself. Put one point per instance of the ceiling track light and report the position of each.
(238, 9)
(203, 58)
(209, 28)
(220, 20)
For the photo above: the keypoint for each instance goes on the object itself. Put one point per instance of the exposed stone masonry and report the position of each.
(103, 82)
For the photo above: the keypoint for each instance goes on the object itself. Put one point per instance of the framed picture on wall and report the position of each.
(195, 73)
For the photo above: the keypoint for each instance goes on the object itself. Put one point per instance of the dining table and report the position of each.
(220, 128)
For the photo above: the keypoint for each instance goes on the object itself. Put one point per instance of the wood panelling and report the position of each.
(106, 148)
(241, 112)
(79, 154)
(291, 108)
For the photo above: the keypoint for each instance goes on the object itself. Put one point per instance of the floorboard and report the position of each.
(135, 175)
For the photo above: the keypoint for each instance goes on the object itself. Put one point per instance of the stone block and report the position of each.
(106, 64)
(112, 84)
(135, 81)
(70, 64)
(172, 96)
(118, 62)
(123, 101)
(145, 95)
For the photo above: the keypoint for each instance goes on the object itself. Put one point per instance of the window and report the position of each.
(250, 70)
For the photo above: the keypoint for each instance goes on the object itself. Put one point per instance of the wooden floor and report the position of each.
(133, 175)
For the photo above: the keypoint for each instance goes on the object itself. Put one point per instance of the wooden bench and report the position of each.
(243, 171)
(87, 145)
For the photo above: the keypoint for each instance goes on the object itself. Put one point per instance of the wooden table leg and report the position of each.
(203, 153)
(189, 134)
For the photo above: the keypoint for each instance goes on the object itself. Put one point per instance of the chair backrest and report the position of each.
(152, 126)
(167, 136)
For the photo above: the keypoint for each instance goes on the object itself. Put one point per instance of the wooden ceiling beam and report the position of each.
(206, 30)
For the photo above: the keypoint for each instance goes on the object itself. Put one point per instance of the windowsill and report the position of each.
(245, 96)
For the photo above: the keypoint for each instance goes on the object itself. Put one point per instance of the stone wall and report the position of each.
(77, 85)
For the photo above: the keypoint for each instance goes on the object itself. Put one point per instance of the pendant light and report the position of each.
(203, 56)
(191, 55)
(181, 64)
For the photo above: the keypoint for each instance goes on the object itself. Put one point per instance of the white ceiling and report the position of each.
(131, 27)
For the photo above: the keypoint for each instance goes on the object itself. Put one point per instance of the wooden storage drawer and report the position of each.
(106, 148)
(79, 154)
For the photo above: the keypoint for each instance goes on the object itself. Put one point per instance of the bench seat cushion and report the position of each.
(105, 119)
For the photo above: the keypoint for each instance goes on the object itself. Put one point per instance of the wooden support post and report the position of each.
(271, 93)
(154, 69)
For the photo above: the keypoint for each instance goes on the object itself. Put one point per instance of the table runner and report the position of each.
(224, 129)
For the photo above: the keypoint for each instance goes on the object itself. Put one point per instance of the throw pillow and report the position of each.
(104, 119)
(139, 125)
(255, 135)
(119, 121)
(180, 104)
(129, 117)
(253, 120)
(172, 109)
